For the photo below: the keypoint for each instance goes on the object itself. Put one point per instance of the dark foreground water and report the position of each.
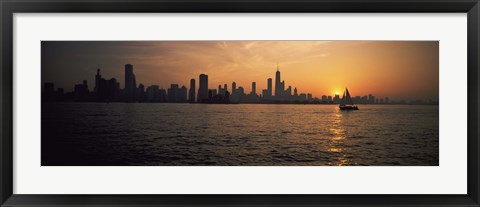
(238, 134)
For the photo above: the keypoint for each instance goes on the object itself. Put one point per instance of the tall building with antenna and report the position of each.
(279, 85)
(98, 77)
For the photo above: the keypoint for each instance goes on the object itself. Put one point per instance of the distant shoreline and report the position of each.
(327, 104)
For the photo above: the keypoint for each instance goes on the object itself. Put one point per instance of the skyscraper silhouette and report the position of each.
(279, 85)
(203, 88)
(81, 91)
(269, 88)
(254, 88)
(234, 87)
(130, 86)
(141, 93)
(182, 95)
(97, 80)
(191, 92)
(172, 93)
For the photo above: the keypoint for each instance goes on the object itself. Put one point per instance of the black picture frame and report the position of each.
(9, 7)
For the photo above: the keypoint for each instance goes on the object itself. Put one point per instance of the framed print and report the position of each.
(68, 141)
(240, 103)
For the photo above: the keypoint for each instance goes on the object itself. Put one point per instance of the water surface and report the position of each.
(238, 134)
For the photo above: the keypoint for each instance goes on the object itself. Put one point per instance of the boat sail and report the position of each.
(347, 103)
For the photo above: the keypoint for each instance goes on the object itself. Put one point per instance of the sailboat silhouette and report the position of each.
(347, 103)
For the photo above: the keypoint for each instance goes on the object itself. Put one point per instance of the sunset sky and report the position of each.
(400, 70)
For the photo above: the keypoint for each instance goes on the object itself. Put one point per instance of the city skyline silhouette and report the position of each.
(109, 90)
(426, 77)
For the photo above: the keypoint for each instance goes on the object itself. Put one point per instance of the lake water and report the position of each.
(238, 134)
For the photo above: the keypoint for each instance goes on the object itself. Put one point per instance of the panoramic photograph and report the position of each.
(239, 103)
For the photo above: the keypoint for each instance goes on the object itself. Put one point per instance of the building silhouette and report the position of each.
(278, 85)
(109, 90)
(265, 94)
(302, 97)
(202, 88)
(191, 92)
(269, 89)
(212, 93)
(254, 88)
(173, 93)
(336, 99)
(130, 84)
(223, 90)
(97, 80)
(371, 99)
(113, 90)
(182, 95)
(81, 92)
(309, 97)
(240, 90)
(234, 87)
(324, 99)
(141, 93)
(153, 94)
(106, 90)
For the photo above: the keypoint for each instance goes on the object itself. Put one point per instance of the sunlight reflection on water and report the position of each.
(239, 134)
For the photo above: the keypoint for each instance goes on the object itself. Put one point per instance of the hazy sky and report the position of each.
(394, 69)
